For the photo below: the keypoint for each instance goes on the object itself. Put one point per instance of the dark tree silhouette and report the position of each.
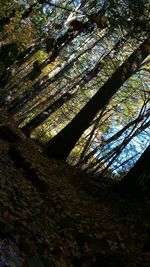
(137, 180)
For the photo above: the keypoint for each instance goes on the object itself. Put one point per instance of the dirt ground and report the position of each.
(52, 215)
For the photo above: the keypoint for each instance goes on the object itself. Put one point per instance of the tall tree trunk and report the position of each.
(137, 180)
(89, 139)
(60, 146)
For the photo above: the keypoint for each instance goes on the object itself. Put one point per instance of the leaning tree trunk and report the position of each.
(60, 146)
(137, 180)
(40, 118)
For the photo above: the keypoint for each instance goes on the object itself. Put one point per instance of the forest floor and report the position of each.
(54, 216)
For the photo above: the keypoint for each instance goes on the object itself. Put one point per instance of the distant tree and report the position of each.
(112, 139)
(5, 20)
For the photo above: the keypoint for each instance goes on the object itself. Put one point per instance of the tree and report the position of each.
(137, 180)
(61, 145)
(35, 90)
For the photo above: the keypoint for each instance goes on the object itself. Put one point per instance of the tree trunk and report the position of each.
(40, 118)
(60, 146)
(137, 180)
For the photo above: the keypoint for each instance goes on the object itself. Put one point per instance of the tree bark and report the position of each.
(60, 146)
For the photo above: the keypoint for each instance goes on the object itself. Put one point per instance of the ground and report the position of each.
(52, 215)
